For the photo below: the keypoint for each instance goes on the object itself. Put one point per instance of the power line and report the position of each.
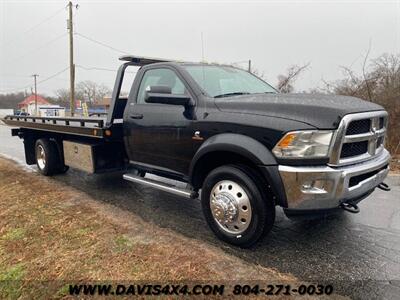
(35, 26)
(36, 49)
(41, 46)
(14, 75)
(9, 90)
(100, 43)
(52, 76)
(102, 69)
(95, 68)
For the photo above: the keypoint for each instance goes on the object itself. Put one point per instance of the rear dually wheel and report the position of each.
(48, 159)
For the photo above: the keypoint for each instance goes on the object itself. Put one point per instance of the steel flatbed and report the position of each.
(90, 127)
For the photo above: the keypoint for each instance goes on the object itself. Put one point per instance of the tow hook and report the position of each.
(384, 187)
(350, 207)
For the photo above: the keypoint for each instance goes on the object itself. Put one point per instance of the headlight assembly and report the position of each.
(304, 144)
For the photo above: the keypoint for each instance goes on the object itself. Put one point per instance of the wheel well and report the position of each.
(29, 145)
(213, 160)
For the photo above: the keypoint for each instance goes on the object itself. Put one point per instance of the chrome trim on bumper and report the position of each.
(323, 187)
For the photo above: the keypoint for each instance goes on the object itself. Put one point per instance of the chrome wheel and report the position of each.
(41, 157)
(230, 207)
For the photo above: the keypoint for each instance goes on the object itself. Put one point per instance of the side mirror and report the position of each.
(160, 89)
(162, 95)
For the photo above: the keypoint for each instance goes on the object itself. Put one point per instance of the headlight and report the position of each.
(307, 144)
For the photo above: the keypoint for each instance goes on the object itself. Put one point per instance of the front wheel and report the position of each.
(236, 206)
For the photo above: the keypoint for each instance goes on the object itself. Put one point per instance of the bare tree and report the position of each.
(258, 73)
(92, 91)
(62, 96)
(379, 83)
(364, 75)
(286, 82)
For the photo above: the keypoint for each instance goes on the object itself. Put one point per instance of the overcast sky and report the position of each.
(273, 34)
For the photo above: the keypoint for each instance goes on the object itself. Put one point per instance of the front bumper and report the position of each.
(324, 187)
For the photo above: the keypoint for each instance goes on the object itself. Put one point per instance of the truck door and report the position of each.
(160, 135)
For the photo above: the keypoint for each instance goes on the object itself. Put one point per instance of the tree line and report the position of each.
(87, 91)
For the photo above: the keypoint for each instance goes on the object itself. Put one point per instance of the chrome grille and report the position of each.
(353, 149)
(359, 126)
(359, 137)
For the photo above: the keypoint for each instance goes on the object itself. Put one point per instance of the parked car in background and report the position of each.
(21, 113)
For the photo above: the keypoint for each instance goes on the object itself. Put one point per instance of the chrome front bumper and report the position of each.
(324, 187)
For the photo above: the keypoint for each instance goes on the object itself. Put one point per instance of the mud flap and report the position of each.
(29, 147)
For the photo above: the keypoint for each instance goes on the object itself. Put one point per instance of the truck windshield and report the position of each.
(224, 81)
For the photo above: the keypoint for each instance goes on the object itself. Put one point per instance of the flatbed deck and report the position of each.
(90, 127)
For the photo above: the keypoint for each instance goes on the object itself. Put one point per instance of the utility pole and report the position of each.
(250, 65)
(202, 48)
(34, 79)
(71, 61)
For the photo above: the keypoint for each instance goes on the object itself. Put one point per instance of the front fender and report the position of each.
(237, 143)
(249, 148)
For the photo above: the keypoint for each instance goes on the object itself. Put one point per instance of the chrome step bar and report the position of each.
(187, 193)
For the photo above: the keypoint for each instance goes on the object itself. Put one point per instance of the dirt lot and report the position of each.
(50, 232)
(395, 164)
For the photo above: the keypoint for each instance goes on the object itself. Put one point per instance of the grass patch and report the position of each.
(14, 234)
(83, 231)
(122, 243)
(11, 281)
(63, 291)
(12, 273)
(137, 270)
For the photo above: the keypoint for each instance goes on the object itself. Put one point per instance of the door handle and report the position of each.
(137, 116)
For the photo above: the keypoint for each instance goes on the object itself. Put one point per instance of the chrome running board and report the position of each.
(187, 193)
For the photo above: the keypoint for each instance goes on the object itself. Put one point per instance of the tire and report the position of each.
(48, 158)
(236, 206)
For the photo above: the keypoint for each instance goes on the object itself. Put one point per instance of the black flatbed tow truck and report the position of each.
(222, 131)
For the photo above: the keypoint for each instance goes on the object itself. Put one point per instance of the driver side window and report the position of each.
(160, 77)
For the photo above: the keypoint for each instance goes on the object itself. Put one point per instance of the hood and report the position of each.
(321, 111)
